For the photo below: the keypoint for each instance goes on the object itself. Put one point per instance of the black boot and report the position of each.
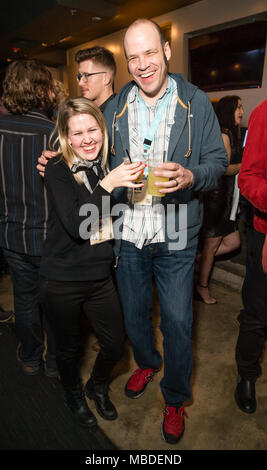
(98, 391)
(77, 403)
(245, 395)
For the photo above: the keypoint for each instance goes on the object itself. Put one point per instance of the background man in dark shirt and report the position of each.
(96, 73)
(24, 133)
(5, 315)
(97, 69)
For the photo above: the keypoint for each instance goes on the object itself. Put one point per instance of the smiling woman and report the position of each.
(76, 270)
(85, 136)
(82, 137)
(81, 132)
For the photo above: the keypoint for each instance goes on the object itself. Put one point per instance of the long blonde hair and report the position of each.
(66, 110)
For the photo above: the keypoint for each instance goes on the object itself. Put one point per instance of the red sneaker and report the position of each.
(172, 428)
(137, 383)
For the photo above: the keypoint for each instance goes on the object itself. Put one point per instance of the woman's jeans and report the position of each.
(65, 303)
(253, 318)
(29, 320)
(173, 272)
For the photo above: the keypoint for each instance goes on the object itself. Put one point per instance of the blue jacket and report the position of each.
(195, 143)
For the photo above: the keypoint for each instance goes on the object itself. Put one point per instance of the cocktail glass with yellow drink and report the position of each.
(127, 160)
(152, 178)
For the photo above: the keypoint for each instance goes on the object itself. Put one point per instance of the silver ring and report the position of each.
(176, 182)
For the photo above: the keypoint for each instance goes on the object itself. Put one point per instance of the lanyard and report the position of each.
(149, 132)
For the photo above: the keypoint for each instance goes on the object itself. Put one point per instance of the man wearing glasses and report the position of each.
(97, 69)
(96, 73)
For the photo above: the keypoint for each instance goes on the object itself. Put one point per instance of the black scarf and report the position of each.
(84, 165)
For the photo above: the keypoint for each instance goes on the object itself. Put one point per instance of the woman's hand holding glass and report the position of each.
(125, 175)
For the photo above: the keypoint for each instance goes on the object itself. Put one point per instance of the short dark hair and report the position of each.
(27, 85)
(99, 55)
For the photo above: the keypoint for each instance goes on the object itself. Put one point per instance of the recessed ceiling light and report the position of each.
(96, 18)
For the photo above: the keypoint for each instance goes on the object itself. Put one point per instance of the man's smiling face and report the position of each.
(147, 59)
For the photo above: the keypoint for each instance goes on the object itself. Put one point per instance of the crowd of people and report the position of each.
(96, 159)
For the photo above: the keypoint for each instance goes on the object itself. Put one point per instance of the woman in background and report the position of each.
(221, 234)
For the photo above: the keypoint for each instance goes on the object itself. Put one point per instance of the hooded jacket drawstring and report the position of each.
(189, 152)
(112, 148)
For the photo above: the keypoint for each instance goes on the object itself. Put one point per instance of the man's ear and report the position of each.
(167, 50)
(107, 78)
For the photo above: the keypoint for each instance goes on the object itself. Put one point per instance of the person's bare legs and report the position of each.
(210, 247)
(214, 246)
(229, 243)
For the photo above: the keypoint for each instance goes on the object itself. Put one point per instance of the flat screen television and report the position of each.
(232, 58)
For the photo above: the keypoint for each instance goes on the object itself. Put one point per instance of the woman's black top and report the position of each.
(218, 202)
(68, 256)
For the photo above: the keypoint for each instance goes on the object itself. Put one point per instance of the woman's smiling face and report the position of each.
(85, 136)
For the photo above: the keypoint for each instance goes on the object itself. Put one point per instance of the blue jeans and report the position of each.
(173, 273)
(29, 323)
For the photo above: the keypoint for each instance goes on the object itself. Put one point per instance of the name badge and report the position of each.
(140, 195)
(104, 233)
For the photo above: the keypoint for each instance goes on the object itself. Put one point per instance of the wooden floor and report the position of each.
(33, 414)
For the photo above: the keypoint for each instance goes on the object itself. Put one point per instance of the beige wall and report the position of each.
(200, 15)
(56, 73)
